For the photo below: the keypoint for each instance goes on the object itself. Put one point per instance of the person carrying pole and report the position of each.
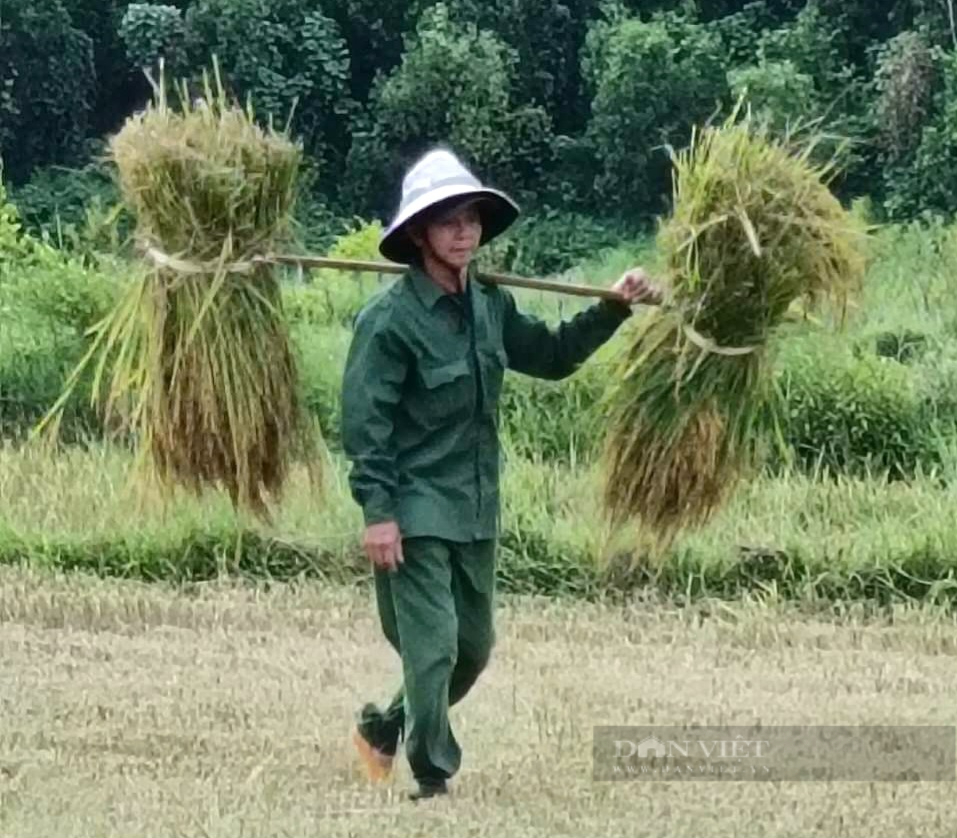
(420, 405)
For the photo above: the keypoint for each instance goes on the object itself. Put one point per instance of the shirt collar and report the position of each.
(429, 291)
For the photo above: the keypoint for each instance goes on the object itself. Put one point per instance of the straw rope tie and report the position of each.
(185, 266)
(706, 344)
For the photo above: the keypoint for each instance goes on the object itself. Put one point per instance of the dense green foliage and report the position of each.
(456, 84)
(47, 86)
(571, 103)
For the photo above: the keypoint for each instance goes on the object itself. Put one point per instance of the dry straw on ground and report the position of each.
(755, 229)
(196, 359)
(135, 710)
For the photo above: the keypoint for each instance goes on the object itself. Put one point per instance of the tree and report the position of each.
(47, 86)
(373, 31)
(121, 87)
(905, 84)
(843, 91)
(455, 85)
(777, 92)
(547, 37)
(151, 32)
(288, 57)
(651, 82)
(925, 181)
(815, 47)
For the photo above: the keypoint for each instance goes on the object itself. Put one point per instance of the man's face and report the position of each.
(455, 237)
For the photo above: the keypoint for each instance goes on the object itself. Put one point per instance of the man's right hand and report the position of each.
(383, 545)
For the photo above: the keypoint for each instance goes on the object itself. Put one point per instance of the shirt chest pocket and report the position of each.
(447, 391)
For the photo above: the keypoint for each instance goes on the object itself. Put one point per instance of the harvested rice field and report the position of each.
(224, 710)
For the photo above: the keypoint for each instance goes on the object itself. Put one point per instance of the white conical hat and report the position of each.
(437, 177)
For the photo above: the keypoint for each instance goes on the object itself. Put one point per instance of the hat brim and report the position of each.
(497, 210)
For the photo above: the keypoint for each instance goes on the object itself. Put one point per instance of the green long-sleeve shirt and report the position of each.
(420, 398)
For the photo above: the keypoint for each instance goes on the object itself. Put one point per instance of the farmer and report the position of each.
(419, 424)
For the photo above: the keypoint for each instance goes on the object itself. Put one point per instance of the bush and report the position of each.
(320, 357)
(317, 225)
(39, 283)
(75, 208)
(33, 371)
(551, 243)
(14, 246)
(651, 82)
(854, 414)
(321, 313)
(47, 302)
(360, 243)
(335, 297)
(46, 309)
(65, 296)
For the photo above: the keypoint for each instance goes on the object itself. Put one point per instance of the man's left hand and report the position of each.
(635, 286)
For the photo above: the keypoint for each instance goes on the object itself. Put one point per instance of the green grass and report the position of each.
(788, 537)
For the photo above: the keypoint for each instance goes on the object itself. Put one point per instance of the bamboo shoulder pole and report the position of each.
(491, 278)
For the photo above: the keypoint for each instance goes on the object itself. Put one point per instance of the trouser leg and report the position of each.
(384, 728)
(473, 589)
(437, 611)
(427, 626)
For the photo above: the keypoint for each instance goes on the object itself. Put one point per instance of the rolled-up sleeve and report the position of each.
(375, 371)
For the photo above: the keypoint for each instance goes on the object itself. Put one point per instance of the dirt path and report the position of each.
(128, 710)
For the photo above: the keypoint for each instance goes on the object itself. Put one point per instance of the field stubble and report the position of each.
(224, 710)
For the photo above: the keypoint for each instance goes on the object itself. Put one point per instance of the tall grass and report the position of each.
(790, 536)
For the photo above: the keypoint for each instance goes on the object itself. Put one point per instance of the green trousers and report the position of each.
(436, 610)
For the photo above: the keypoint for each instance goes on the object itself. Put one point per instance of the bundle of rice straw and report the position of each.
(754, 230)
(196, 359)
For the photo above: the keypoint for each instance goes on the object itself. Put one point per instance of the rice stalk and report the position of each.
(195, 361)
(754, 230)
